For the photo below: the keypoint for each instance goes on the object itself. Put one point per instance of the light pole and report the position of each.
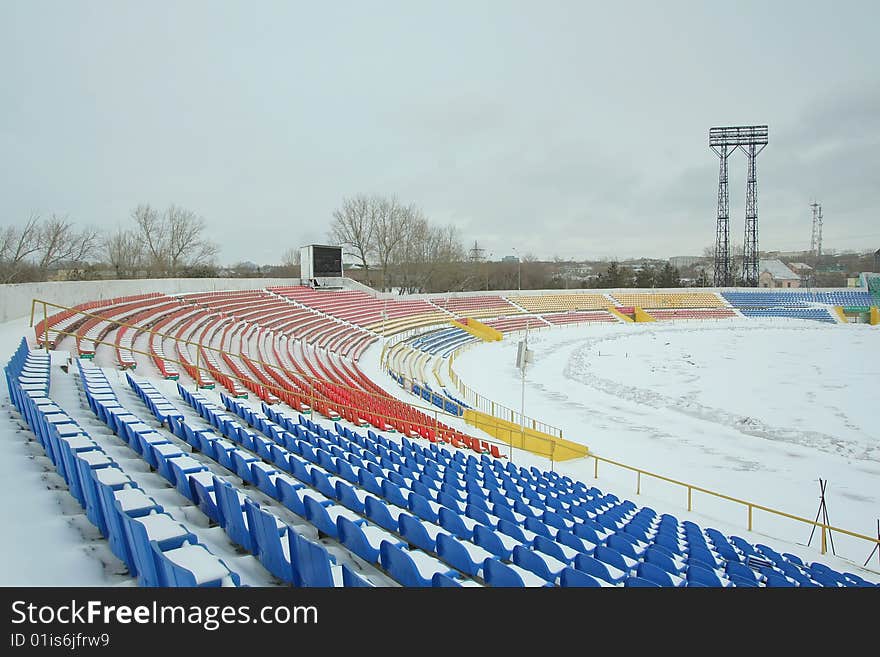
(488, 261)
(518, 270)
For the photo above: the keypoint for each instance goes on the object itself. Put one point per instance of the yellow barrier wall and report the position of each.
(841, 314)
(614, 311)
(875, 316)
(478, 329)
(643, 315)
(536, 442)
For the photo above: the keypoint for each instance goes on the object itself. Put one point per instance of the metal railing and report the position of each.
(750, 507)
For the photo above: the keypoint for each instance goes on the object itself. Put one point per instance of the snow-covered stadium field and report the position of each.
(754, 409)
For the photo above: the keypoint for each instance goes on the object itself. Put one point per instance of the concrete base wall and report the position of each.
(16, 298)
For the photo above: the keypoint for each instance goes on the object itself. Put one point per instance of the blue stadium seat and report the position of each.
(318, 514)
(191, 565)
(614, 558)
(415, 533)
(592, 566)
(270, 538)
(156, 527)
(541, 564)
(364, 540)
(420, 506)
(353, 580)
(571, 577)
(636, 581)
(466, 557)
(499, 574)
(655, 556)
(493, 542)
(454, 524)
(311, 562)
(379, 513)
(410, 568)
(655, 574)
(737, 569)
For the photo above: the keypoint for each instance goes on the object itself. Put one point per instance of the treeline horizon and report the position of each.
(395, 246)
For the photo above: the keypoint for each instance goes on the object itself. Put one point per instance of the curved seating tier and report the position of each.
(668, 299)
(796, 299)
(705, 313)
(543, 303)
(817, 314)
(577, 317)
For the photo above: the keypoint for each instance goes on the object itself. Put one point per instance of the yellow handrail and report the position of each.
(751, 506)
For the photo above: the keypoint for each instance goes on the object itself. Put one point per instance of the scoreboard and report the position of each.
(321, 261)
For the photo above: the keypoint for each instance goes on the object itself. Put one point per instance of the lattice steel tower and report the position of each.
(722, 225)
(816, 239)
(751, 140)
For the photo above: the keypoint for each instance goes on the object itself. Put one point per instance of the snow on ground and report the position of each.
(754, 409)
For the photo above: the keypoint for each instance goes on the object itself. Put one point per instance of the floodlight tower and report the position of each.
(816, 239)
(722, 224)
(756, 136)
(751, 140)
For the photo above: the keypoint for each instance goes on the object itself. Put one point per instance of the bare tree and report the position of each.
(61, 243)
(736, 257)
(433, 257)
(174, 240)
(391, 225)
(187, 245)
(290, 263)
(291, 257)
(150, 229)
(16, 246)
(354, 226)
(410, 258)
(125, 252)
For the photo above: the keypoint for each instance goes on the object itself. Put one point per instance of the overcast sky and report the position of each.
(570, 129)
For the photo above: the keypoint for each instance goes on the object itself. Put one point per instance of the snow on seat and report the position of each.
(192, 565)
(156, 527)
(135, 501)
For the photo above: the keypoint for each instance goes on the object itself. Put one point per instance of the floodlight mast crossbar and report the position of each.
(739, 136)
(751, 140)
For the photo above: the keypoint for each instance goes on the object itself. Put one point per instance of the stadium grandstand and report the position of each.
(251, 412)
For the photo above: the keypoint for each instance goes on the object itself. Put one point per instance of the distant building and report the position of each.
(800, 267)
(773, 273)
(510, 258)
(788, 255)
(681, 262)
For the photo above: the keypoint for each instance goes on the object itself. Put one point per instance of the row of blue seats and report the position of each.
(817, 314)
(283, 551)
(319, 496)
(767, 299)
(113, 502)
(703, 551)
(539, 482)
(730, 562)
(158, 549)
(437, 342)
(424, 391)
(485, 536)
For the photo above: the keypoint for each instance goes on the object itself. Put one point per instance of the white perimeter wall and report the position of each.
(16, 299)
